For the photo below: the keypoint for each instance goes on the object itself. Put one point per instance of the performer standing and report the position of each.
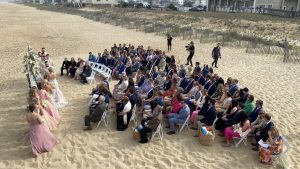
(169, 39)
(191, 49)
(216, 54)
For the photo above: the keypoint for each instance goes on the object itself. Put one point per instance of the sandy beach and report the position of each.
(271, 80)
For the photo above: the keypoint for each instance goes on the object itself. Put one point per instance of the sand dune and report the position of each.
(276, 83)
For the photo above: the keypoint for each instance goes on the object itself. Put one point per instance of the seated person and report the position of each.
(123, 114)
(92, 57)
(96, 114)
(154, 72)
(149, 124)
(223, 106)
(79, 70)
(175, 105)
(143, 91)
(196, 88)
(233, 88)
(178, 118)
(119, 70)
(210, 115)
(72, 67)
(258, 108)
(207, 83)
(87, 71)
(249, 105)
(263, 133)
(65, 65)
(273, 146)
(170, 92)
(237, 130)
(227, 115)
(200, 112)
(119, 90)
(243, 95)
(219, 92)
(259, 123)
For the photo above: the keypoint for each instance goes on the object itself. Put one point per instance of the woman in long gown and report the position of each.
(58, 96)
(42, 140)
(52, 116)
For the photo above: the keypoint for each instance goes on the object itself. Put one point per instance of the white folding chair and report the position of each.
(241, 139)
(105, 116)
(91, 79)
(185, 124)
(159, 131)
(281, 158)
(133, 116)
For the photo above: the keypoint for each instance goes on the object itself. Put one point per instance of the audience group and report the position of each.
(151, 86)
(44, 101)
(150, 80)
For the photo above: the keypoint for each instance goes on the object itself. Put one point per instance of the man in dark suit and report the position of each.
(210, 115)
(218, 80)
(87, 71)
(263, 134)
(65, 65)
(216, 54)
(258, 108)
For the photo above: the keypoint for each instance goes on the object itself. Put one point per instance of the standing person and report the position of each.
(41, 138)
(169, 39)
(191, 49)
(216, 54)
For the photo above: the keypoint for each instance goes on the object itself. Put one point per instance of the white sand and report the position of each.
(276, 83)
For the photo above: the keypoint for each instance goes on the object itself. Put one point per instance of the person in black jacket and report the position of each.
(210, 115)
(169, 39)
(216, 54)
(65, 65)
(87, 71)
(191, 49)
(263, 134)
(72, 67)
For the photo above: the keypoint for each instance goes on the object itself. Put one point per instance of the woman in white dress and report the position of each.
(58, 96)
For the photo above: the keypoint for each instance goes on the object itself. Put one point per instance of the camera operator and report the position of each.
(191, 49)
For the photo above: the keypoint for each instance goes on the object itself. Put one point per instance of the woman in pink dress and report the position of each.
(42, 140)
(44, 98)
(50, 122)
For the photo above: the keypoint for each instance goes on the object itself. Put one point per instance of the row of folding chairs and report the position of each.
(101, 69)
(159, 132)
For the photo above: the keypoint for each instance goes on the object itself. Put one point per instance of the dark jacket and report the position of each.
(87, 71)
(216, 52)
(209, 116)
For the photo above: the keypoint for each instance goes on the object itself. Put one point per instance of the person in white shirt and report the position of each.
(123, 114)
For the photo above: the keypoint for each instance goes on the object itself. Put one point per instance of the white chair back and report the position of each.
(185, 124)
(242, 138)
(159, 132)
(133, 115)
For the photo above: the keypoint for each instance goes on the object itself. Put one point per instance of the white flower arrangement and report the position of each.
(31, 64)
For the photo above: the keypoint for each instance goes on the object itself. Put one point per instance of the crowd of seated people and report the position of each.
(179, 92)
(44, 100)
(79, 70)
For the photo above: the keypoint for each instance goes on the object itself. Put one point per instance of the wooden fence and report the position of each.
(188, 32)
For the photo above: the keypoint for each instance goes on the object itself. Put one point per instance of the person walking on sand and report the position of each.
(216, 54)
(169, 39)
(191, 49)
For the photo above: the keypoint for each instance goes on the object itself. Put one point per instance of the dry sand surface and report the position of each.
(276, 83)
